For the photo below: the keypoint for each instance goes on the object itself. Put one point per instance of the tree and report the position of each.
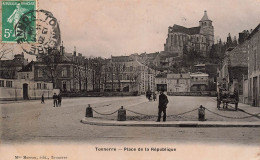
(51, 68)
(4, 50)
(86, 73)
(78, 73)
(118, 70)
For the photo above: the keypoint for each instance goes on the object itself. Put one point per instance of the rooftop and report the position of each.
(178, 76)
(190, 31)
(205, 17)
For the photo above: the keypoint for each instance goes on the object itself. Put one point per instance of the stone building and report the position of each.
(181, 39)
(9, 68)
(17, 89)
(123, 73)
(234, 67)
(199, 81)
(161, 82)
(254, 67)
(67, 71)
(178, 82)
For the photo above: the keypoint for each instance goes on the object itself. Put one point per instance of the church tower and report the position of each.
(207, 29)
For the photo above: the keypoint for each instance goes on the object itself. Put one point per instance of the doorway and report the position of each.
(25, 91)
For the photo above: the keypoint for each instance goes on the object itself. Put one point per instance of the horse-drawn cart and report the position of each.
(227, 97)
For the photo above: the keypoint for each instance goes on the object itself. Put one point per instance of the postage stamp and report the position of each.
(46, 34)
(12, 11)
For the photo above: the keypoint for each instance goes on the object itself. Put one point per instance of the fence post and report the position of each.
(121, 114)
(201, 112)
(89, 111)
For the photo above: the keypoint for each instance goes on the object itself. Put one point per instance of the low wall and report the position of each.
(203, 93)
(17, 93)
(16, 89)
(99, 94)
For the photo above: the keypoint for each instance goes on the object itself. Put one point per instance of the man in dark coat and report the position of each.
(55, 100)
(59, 100)
(163, 101)
(42, 98)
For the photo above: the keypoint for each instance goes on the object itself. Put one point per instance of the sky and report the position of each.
(122, 27)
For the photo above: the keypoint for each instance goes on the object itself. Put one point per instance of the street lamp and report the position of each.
(52, 72)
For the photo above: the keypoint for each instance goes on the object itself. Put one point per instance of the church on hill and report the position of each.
(181, 39)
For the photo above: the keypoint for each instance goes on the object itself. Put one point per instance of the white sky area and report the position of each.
(122, 27)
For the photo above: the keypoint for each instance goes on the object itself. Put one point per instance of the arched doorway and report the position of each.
(25, 91)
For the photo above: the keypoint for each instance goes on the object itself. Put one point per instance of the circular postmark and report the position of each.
(37, 31)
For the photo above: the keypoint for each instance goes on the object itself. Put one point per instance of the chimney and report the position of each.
(62, 49)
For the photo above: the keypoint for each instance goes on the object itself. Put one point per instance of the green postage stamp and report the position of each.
(12, 11)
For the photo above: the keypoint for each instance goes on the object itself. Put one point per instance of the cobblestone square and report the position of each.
(31, 121)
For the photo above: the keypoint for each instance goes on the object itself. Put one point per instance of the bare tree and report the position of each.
(5, 50)
(51, 68)
(117, 72)
(86, 73)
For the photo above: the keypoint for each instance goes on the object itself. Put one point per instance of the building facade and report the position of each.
(129, 75)
(254, 67)
(178, 82)
(68, 72)
(199, 81)
(181, 39)
(9, 68)
(161, 82)
(17, 89)
(234, 68)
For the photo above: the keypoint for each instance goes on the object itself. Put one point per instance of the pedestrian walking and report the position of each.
(163, 101)
(42, 100)
(236, 95)
(55, 100)
(154, 96)
(149, 95)
(59, 100)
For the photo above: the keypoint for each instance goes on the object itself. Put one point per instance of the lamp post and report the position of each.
(52, 77)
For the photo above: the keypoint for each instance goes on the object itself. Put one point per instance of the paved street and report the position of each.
(31, 121)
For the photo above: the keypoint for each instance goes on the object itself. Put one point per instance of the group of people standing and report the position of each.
(56, 100)
(151, 96)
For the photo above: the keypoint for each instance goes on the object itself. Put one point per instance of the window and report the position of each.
(44, 86)
(39, 73)
(175, 39)
(64, 72)
(64, 85)
(2, 83)
(9, 84)
(177, 81)
(39, 85)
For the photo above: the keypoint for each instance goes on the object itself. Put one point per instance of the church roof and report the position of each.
(205, 17)
(190, 31)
